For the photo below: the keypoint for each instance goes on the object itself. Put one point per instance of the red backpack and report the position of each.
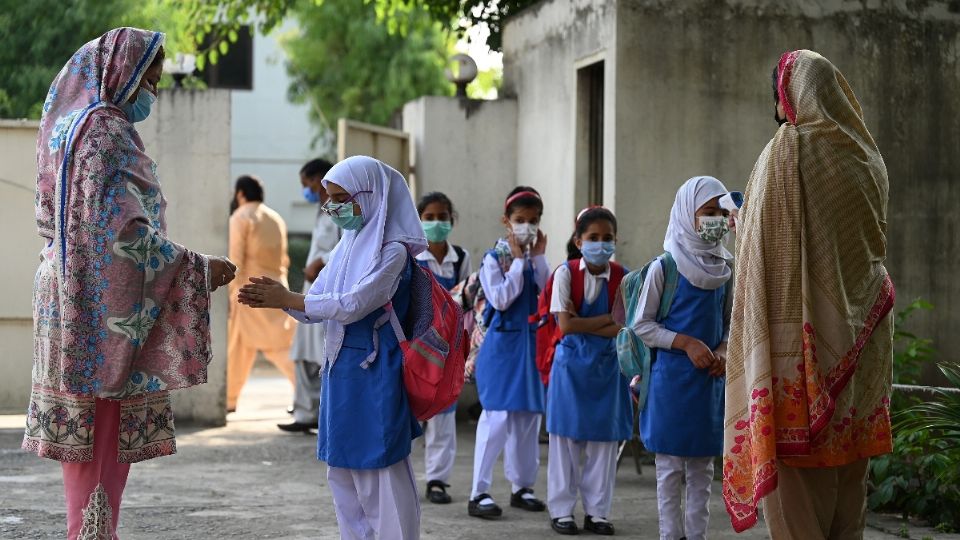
(548, 331)
(435, 351)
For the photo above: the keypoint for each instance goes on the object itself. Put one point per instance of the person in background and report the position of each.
(121, 312)
(450, 264)
(307, 350)
(258, 243)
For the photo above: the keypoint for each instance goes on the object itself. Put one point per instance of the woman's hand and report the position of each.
(540, 246)
(263, 292)
(222, 272)
(700, 355)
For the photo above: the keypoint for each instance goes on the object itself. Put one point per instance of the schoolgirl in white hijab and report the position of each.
(366, 426)
(682, 420)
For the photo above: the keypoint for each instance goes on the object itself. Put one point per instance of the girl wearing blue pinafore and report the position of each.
(450, 264)
(588, 400)
(512, 275)
(682, 421)
(366, 425)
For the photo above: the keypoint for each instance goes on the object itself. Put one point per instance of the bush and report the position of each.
(921, 477)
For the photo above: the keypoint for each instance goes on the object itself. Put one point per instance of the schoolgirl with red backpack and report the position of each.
(394, 348)
(589, 408)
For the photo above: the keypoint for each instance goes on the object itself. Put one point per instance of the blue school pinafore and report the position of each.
(506, 369)
(588, 399)
(365, 418)
(684, 411)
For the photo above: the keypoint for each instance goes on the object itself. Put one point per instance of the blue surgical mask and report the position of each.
(598, 253)
(310, 196)
(348, 223)
(139, 110)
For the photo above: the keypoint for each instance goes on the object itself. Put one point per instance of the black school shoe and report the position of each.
(565, 527)
(488, 510)
(603, 527)
(437, 492)
(530, 504)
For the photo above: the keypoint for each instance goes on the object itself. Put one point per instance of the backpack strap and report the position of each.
(576, 283)
(613, 284)
(459, 264)
(671, 278)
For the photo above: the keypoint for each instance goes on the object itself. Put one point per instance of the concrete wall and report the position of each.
(185, 136)
(694, 97)
(468, 150)
(543, 48)
(18, 234)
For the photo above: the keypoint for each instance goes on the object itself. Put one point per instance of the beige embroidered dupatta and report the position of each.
(810, 351)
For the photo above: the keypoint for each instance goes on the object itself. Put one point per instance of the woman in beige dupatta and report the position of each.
(809, 366)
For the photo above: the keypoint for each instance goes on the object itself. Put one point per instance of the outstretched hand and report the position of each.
(263, 292)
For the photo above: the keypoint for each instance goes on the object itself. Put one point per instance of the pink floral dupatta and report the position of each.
(810, 351)
(120, 311)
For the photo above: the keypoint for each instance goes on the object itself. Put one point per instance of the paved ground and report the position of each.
(248, 480)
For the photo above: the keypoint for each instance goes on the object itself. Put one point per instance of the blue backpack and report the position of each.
(633, 354)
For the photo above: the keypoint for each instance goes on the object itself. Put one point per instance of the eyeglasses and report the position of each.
(340, 209)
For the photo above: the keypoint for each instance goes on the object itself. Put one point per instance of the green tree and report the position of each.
(39, 37)
(344, 63)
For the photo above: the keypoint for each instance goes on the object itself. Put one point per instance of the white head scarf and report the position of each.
(389, 215)
(703, 263)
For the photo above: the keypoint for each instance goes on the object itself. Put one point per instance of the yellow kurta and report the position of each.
(258, 246)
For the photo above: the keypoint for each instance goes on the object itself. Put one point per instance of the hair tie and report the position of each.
(519, 195)
(587, 209)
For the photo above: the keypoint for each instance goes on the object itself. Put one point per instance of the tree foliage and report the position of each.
(36, 47)
(344, 63)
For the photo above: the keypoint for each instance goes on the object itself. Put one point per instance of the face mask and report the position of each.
(712, 228)
(437, 231)
(310, 196)
(139, 110)
(525, 233)
(598, 253)
(348, 223)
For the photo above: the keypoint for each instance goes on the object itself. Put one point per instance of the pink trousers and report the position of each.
(94, 488)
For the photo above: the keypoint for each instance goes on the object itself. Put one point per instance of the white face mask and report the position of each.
(525, 233)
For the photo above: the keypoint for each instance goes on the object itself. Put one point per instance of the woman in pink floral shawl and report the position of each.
(121, 313)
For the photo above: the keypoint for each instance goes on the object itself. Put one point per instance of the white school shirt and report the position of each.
(654, 334)
(446, 268)
(562, 299)
(502, 288)
(374, 291)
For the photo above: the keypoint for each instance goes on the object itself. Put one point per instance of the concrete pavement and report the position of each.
(249, 480)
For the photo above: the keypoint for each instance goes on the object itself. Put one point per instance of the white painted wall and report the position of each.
(542, 49)
(469, 157)
(184, 135)
(18, 235)
(271, 137)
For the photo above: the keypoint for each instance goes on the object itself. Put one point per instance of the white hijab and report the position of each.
(389, 215)
(704, 264)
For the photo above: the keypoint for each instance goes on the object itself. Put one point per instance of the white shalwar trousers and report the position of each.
(376, 504)
(691, 522)
(516, 434)
(587, 467)
(441, 446)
